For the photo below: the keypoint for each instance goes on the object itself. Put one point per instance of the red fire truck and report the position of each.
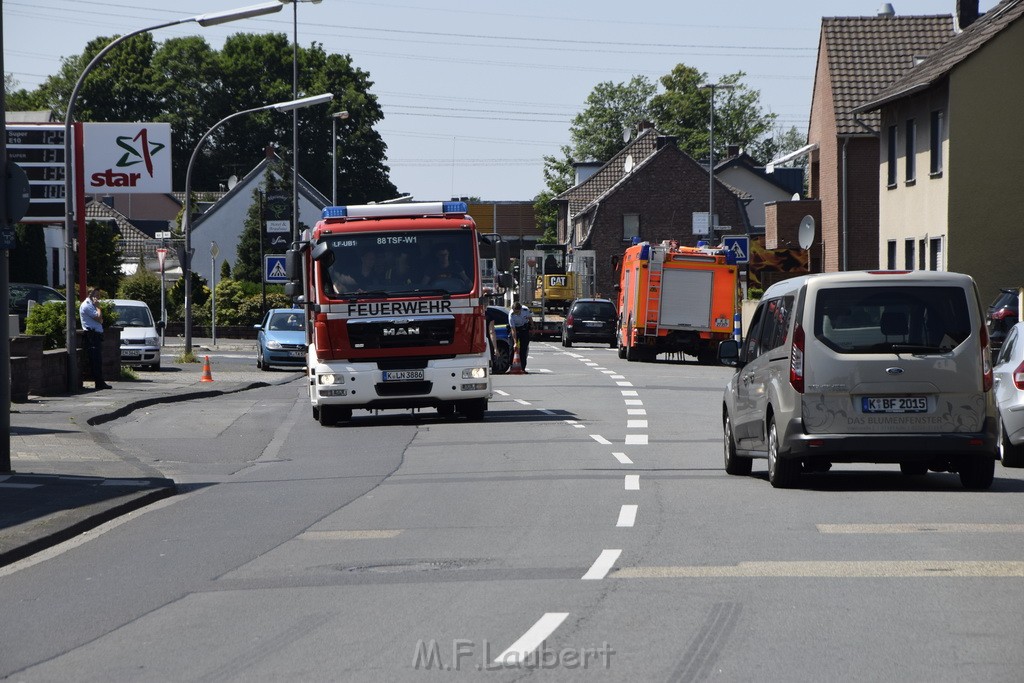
(395, 316)
(675, 299)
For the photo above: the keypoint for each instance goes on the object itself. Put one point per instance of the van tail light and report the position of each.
(1018, 377)
(568, 320)
(986, 361)
(796, 360)
(1001, 314)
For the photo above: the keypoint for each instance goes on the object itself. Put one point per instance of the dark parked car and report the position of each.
(591, 320)
(22, 293)
(281, 339)
(503, 348)
(1003, 314)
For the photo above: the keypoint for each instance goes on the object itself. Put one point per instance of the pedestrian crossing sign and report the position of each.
(739, 246)
(273, 269)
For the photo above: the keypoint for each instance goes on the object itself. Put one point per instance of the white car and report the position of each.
(1009, 385)
(140, 336)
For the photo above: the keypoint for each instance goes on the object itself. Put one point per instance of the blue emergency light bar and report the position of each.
(395, 210)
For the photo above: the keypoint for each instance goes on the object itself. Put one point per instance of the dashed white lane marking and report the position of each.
(574, 423)
(617, 377)
(636, 439)
(602, 565)
(636, 424)
(636, 411)
(600, 368)
(919, 528)
(349, 534)
(854, 569)
(623, 458)
(633, 401)
(531, 640)
(627, 515)
(632, 482)
(609, 372)
(544, 371)
(600, 439)
(592, 365)
(499, 392)
(629, 392)
(624, 384)
(522, 402)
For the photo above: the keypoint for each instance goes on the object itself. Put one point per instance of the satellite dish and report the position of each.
(232, 181)
(795, 197)
(627, 133)
(805, 234)
(627, 165)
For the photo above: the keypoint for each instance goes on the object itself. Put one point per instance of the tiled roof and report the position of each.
(132, 241)
(956, 50)
(582, 195)
(866, 54)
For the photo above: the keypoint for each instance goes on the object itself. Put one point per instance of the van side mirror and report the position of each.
(729, 353)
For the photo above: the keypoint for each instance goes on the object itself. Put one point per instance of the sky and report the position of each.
(475, 94)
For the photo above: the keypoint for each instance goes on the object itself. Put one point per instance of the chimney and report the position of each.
(886, 10)
(644, 125)
(270, 150)
(734, 151)
(665, 140)
(966, 13)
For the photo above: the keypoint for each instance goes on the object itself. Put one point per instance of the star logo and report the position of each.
(142, 153)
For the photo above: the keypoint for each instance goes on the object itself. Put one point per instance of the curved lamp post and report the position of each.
(210, 19)
(186, 220)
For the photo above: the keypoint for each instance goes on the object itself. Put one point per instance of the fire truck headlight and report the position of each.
(474, 373)
(327, 379)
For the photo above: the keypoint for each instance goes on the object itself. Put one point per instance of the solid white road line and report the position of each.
(636, 439)
(531, 640)
(632, 482)
(600, 439)
(602, 565)
(636, 424)
(627, 515)
(623, 458)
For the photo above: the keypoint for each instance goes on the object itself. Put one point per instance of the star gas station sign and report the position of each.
(127, 157)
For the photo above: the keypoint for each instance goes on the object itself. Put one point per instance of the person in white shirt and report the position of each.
(519, 323)
(92, 323)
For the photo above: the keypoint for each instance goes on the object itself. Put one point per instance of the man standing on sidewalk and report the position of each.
(92, 323)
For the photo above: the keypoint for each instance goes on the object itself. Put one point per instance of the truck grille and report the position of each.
(404, 333)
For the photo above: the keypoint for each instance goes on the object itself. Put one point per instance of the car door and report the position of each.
(772, 365)
(1006, 363)
(744, 419)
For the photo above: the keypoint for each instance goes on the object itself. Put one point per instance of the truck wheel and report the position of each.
(977, 472)
(566, 342)
(473, 408)
(632, 355)
(706, 356)
(446, 409)
(734, 464)
(782, 474)
(328, 417)
(316, 413)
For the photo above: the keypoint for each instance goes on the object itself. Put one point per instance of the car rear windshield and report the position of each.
(892, 319)
(598, 310)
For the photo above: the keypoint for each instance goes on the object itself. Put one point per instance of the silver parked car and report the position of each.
(1009, 383)
(870, 367)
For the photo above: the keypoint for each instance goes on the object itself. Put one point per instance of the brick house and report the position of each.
(650, 190)
(857, 56)
(948, 168)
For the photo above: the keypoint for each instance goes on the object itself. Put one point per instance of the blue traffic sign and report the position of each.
(740, 246)
(273, 269)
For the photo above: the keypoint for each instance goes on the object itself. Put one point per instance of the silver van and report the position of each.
(864, 367)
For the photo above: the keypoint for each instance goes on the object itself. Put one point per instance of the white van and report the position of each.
(140, 336)
(865, 367)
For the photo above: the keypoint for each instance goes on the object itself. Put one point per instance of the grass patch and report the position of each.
(127, 374)
(186, 357)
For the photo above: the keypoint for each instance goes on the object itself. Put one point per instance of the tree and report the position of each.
(558, 177)
(142, 285)
(225, 270)
(102, 256)
(248, 264)
(596, 132)
(28, 260)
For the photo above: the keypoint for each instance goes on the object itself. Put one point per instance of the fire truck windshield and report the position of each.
(405, 263)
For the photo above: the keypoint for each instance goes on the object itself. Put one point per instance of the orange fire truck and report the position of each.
(675, 299)
(396, 317)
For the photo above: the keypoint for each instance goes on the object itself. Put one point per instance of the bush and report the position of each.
(142, 285)
(50, 321)
(754, 293)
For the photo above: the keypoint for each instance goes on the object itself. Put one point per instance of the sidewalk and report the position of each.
(67, 477)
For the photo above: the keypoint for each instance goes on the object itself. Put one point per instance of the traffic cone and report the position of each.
(517, 365)
(207, 377)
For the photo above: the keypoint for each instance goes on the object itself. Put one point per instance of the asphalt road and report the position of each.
(585, 528)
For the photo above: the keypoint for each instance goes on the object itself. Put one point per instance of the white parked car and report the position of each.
(1009, 382)
(140, 335)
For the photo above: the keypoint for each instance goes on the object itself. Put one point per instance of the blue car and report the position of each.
(282, 338)
(501, 353)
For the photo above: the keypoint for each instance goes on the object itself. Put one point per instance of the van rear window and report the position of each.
(892, 319)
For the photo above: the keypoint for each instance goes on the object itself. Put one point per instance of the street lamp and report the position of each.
(204, 20)
(711, 151)
(334, 153)
(186, 220)
(295, 114)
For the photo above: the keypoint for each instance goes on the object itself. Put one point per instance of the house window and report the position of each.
(935, 247)
(922, 255)
(911, 151)
(630, 226)
(935, 165)
(890, 261)
(908, 255)
(891, 180)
